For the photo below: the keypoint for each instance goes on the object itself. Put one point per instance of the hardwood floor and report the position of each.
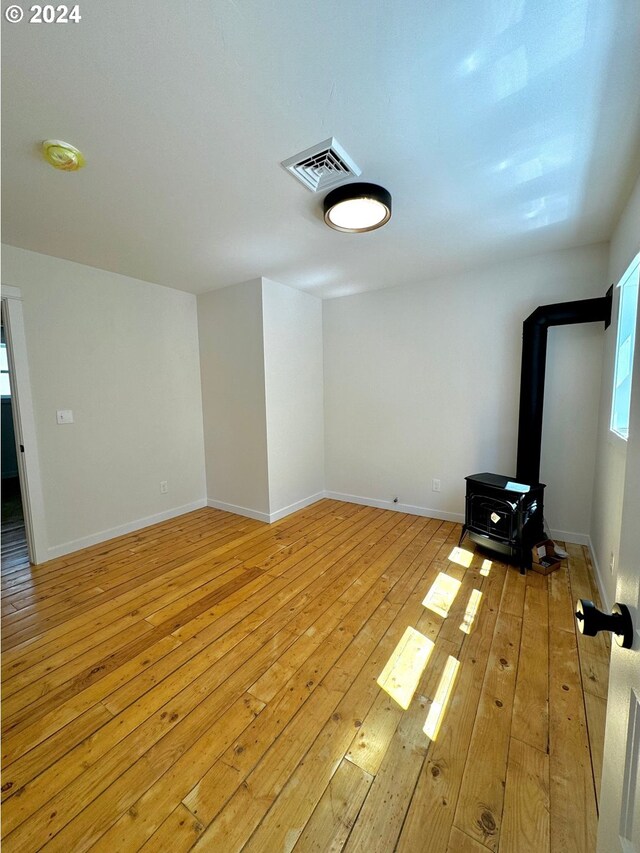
(211, 683)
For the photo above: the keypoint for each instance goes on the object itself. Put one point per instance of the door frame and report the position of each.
(24, 425)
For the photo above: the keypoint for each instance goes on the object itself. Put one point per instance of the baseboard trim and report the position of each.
(239, 510)
(287, 510)
(573, 538)
(599, 578)
(267, 517)
(113, 532)
(408, 508)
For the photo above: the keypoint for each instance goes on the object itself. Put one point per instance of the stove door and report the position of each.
(493, 516)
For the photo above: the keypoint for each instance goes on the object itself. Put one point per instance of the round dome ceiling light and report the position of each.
(356, 208)
(62, 155)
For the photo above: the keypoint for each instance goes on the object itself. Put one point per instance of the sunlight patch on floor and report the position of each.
(472, 609)
(461, 556)
(486, 568)
(441, 594)
(441, 699)
(404, 668)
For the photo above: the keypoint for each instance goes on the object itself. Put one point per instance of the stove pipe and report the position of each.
(534, 357)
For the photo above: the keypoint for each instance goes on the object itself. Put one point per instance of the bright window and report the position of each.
(628, 310)
(4, 371)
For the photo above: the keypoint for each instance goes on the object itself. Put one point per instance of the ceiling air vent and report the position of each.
(322, 166)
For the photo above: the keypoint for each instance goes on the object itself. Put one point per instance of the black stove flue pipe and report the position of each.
(534, 357)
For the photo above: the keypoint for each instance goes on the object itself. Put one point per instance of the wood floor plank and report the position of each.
(328, 827)
(572, 795)
(299, 797)
(480, 804)
(372, 739)
(42, 752)
(150, 722)
(513, 594)
(142, 817)
(460, 842)
(561, 605)
(375, 611)
(436, 794)
(154, 802)
(75, 587)
(596, 709)
(34, 749)
(61, 806)
(526, 800)
(254, 611)
(109, 563)
(110, 662)
(351, 686)
(206, 683)
(219, 553)
(381, 817)
(531, 700)
(178, 833)
(582, 587)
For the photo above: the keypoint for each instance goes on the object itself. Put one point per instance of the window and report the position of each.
(628, 309)
(5, 388)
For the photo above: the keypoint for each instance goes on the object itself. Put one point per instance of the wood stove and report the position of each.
(505, 514)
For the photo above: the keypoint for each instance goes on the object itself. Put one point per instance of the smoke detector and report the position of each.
(322, 166)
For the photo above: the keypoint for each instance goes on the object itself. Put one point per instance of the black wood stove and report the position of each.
(505, 514)
(500, 516)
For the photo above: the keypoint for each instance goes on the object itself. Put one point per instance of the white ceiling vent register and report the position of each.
(322, 166)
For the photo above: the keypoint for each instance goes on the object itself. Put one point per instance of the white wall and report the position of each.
(292, 322)
(123, 355)
(261, 365)
(419, 382)
(611, 451)
(423, 382)
(233, 397)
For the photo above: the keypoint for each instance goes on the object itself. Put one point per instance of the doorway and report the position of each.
(15, 551)
(25, 535)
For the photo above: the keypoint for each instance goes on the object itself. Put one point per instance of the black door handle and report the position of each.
(591, 621)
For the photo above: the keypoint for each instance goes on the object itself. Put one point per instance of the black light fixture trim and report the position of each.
(352, 192)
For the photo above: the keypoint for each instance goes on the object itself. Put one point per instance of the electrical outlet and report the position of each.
(612, 562)
(164, 487)
(435, 485)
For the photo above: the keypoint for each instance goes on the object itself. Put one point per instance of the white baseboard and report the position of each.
(408, 508)
(239, 510)
(574, 538)
(121, 530)
(267, 517)
(113, 532)
(602, 589)
(287, 510)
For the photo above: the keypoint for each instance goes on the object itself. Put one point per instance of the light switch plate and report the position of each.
(64, 416)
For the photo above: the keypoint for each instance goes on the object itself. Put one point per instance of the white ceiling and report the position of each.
(501, 127)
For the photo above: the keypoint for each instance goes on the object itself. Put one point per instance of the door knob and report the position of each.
(591, 621)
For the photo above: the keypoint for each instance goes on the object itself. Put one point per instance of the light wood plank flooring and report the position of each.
(211, 683)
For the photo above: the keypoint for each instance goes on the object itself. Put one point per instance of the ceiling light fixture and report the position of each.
(62, 155)
(356, 208)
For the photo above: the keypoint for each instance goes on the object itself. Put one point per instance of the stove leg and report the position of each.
(462, 535)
